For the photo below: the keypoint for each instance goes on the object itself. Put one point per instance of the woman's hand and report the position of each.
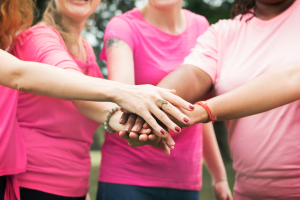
(143, 101)
(135, 140)
(222, 191)
(115, 125)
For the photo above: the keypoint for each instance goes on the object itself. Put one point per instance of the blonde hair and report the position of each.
(15, 16)
(52, 17)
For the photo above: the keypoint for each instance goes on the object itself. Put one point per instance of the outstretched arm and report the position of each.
(42, 79)
(270, 90)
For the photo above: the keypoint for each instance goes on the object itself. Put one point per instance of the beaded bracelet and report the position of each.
(208, 110)
(109, 114)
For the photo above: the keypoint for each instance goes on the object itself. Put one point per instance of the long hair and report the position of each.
(52, 17)
(15, 16)
(242, 7)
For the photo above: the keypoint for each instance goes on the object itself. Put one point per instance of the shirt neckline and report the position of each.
(281, 15)
(161, 31)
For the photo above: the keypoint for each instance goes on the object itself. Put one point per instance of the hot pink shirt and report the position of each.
(265, 147)
(156, 54)
(12, 147)
(57, 136)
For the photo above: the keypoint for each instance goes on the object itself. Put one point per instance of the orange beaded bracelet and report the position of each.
(208, 110)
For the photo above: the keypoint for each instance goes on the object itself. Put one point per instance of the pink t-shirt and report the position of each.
(57, 136)
(156, 54)
(12, 147)
(265, 147)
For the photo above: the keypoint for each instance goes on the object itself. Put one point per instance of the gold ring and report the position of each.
(162, 101)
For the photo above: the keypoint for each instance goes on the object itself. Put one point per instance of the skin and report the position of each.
(168, 17)
(75, 16)
(233, 104)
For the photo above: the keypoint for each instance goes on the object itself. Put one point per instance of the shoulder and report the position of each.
(230, 27)
(126, 20)
(39, 32)
(196, 18)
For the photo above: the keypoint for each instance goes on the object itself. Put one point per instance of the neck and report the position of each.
(267, 11)
(75, 28)
(170, 20)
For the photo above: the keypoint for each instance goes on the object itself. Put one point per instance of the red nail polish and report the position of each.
(186, 120)
(162, 131)
(177, 129)
(192, 107)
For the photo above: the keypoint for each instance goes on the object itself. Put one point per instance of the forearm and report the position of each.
(211, 153)
(42, 79)
(270, 90)
(190, 82)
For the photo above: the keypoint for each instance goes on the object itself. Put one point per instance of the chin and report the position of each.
(78, 9)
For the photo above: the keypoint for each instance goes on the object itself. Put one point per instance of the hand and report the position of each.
(143, 101)
(222, 191)
(135, 140)
(115, 125)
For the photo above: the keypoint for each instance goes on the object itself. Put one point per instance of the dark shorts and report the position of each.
(111, 191)
(2, 186)
(29, 194)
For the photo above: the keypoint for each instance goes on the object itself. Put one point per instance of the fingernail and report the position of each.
(134, 128)
(126, 128)
(186, 120)
(171, 143)
(192, 107)
(177, 129)
(162, 131)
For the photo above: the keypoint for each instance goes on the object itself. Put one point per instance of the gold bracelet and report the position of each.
(217, 181)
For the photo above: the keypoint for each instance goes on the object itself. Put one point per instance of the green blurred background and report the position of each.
(213, 10)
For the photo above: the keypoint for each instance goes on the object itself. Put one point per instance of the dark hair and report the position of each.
(242, 7)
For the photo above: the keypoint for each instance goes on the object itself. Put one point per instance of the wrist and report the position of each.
(201, 115)
(214, 182)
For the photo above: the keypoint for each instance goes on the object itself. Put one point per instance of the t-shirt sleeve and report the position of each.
(118, 28)
(44, 45)
(205, 54)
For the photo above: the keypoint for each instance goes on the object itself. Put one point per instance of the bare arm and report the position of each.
(270, 90)
(214, 163)
(42, 79)
(120, 63)
(190, 82)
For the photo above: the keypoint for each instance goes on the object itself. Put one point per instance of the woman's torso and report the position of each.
(156, 54)
(265, 147)
(57, 135)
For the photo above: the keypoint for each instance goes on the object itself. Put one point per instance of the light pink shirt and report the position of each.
(156, 54)
(265, 147)
(57, 136)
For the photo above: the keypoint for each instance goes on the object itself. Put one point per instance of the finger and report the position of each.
(173, 111)
(162, 117)
(138, 124)
(157, 129)
(152, 137)
(124, 111)
(145, 131)
(133, 135)
(177, 101)
(124, 118)
(124, 134)
(143, 137)
(130, 122)
(164, 147)
(146, 125)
